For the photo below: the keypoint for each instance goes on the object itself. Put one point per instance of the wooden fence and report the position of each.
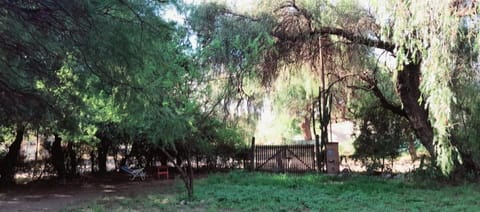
(283, 158)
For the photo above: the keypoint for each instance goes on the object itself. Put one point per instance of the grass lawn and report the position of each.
(243, 191)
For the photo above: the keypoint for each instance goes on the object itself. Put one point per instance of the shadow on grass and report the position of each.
(245, 191)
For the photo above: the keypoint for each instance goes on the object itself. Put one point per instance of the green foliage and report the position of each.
(241, 191)
(233, 40)
(310, 192)
(231, 46)
(431, 36)
(79, 63)
(428, 35)
(465, 133)
(381, 135)
(108, 69)
(292, 93)
(428, 171)
(6, 136)
(214, 139)
(299, 86)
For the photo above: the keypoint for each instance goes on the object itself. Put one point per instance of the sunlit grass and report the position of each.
(243, 191)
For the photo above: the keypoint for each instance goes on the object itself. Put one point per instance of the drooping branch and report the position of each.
(383, 100)
(387, 104)
(301, 20)
(372, 86)
(339, 79)
(358, 39)
(172, 159)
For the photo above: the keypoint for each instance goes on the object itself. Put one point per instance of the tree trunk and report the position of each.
(408, 82)
(305, 126)
(92, 161)
(73, 160)
(7, 167)
(58, 157)
(102, 155)
(186, 175)
(469, 164)
(408, 88)
(325, 115)
(189, 181)
(412, 150)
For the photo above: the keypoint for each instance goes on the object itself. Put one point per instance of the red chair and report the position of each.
(161, 171)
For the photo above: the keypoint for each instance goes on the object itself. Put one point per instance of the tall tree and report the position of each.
(7, 165)
(59, 58)
(422, 42)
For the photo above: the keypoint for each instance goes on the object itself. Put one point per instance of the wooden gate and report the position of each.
(284, 158)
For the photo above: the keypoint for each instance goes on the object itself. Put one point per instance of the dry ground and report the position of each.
(52, 196)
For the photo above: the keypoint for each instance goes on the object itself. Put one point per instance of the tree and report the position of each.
(294, 95)
(58, 56)
(423, 48)
(92, 70)
(7, 165)
(231, 52)
(382, 134)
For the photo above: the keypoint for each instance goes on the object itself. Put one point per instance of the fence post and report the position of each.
(317, 152)
(312, 156)
(252, 155)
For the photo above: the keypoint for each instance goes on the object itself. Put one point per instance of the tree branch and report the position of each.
(355, 38)
(339, 79)
(373, 87)
(172, 160)
(349, 35)
(386, 104)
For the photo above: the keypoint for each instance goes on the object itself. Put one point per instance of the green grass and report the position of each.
(241, 191)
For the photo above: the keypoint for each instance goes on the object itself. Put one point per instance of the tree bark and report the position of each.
(92, 161)
(305, 126)
(186, 175)
(73, 160)
(102, 155)
(411, 148)
(58, 157)
(7, 167)
(408, 79)
(470, 164)
(189, 182)
(408, 88)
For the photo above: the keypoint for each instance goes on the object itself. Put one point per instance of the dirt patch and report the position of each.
(53, 196)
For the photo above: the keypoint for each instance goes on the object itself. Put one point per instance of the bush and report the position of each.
(383, 135)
